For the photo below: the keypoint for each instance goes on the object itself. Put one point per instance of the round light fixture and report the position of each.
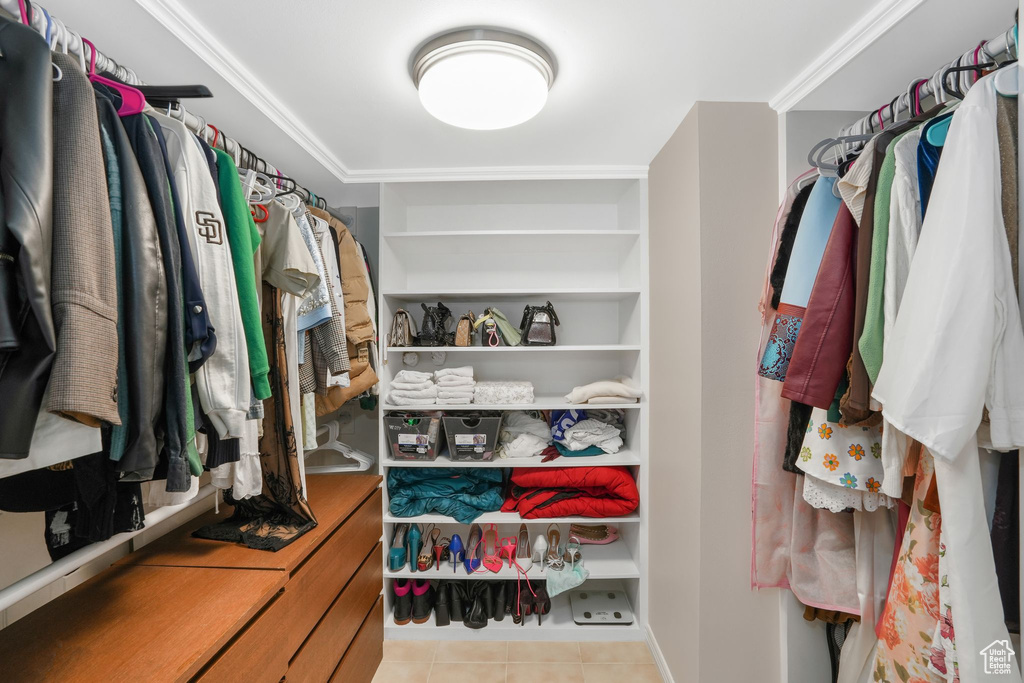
(483, 79)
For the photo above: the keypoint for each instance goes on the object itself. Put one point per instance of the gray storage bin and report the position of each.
(414, 436)
(472, 437)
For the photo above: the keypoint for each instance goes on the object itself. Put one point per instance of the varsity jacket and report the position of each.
(223, 380)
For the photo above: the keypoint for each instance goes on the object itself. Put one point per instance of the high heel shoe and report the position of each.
(439, 549)
(541, 602)
(508, 549)
(540, 551)
(473, 553)
(456, 551)
(491, 560)
(414, 537)
(397, 553)
(554, 558)
(423, 561)
(523, 556)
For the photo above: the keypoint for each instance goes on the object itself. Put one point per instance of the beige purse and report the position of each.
(464, 330)
(403, 330)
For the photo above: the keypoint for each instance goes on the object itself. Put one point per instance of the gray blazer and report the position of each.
(83, 381)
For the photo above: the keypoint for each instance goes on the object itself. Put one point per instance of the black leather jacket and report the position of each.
(27, 340)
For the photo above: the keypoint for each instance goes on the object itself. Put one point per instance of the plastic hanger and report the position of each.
(362, 460)
(132, 101)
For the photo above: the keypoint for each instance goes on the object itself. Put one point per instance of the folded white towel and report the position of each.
(522, 446)
(609, 400)
(400, 401)
(620, 386)
(455, 381)
(503, 393)
(419, 393)
(455, 401)
(412, 386)
(446, 393)
(412, 376)
(465, 371)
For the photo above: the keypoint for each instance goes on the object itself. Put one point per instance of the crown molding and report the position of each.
(189, 29)
(872, 26)
(414, 175)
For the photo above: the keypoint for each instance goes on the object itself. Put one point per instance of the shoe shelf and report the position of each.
(576, 348)
(540, 403)
(555, 625)
(611, 561)
(497, 296)
(513, 518)
(626, 457)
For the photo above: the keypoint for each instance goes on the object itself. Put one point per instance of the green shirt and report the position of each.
(244, 239)
(872, 337)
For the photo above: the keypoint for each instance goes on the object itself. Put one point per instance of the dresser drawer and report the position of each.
(322, 651)
(263, 650)
(366, 651)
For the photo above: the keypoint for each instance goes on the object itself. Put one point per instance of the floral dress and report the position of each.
(906, 632)
(843, 465)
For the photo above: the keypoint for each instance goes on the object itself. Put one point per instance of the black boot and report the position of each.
(480, 598)
(422, 601)
(403, 600)
(442, 617)
(497, 611)
(459, 600)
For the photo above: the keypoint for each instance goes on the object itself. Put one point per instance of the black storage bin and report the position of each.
(473, 436)
(414, 436)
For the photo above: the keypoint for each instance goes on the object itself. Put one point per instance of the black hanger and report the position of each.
(174, 92)
(958, 92)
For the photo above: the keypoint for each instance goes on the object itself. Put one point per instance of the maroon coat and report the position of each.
(826, 335)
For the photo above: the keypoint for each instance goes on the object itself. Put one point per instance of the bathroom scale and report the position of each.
(600, 607)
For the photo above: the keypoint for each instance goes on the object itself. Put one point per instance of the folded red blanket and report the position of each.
(571, 491)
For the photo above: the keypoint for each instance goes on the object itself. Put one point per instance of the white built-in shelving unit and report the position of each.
(580, 244)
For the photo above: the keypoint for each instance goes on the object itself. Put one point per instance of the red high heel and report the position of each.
(492, 560)
(508, 547)
(439, 548)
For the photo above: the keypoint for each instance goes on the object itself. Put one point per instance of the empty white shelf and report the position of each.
(541, 403)
(499, 295)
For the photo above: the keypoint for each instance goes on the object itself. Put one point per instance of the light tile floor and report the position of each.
(454, 661)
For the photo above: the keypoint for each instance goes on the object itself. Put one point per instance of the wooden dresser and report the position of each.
(187, 609)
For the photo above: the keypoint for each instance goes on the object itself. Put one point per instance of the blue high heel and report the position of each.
(397, 553)
(474, 552)
(456, 552)
(414, 537)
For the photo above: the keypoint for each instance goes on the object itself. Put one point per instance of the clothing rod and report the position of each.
(38, 580)
(1002, 44)
(64, 39)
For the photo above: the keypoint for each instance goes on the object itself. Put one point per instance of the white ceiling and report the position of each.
(322, 89)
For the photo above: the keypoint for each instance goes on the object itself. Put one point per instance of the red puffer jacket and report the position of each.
(566, 491)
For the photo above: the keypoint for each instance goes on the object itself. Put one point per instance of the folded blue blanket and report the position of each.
(461, 493)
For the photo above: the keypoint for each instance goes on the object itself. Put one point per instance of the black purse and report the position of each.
(538, 326)
(434, 330)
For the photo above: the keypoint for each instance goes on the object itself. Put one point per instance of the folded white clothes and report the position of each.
(465, 371)
(412, 386)
(522, 446)
(455, 381)
(430, 392)
(503, 393)
(609, 400)
(402, 401)
(621, 388)
(454, 393)
(456, 400)
(516, 422)
(412, 376)
(587, 433)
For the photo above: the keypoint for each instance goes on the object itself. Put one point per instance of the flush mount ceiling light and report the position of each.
(483, 79)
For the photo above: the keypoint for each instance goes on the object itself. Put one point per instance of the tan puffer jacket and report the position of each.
(358, 324)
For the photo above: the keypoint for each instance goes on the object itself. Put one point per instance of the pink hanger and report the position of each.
(132, 100)
(24, 12)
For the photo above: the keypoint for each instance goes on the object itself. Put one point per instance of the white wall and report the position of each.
(713, 198)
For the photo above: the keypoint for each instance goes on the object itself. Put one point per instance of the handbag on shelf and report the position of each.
(434, 330)
(538, 325)
(403, 331)
(464, 330)
(497, 329)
